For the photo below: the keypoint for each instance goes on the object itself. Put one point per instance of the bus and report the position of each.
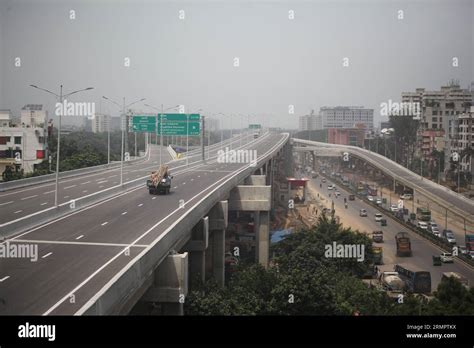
(423, 214)
(416, 280)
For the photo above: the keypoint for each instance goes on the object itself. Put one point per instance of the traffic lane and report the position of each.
(95, 280)
(422, 249)
(33, 287)
(23, 202)
(92, 223)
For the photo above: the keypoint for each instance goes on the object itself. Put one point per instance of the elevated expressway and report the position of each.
(444, 197)
(103, 258)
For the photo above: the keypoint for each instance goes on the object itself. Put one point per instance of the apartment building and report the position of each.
(100, 123)
(347, 117)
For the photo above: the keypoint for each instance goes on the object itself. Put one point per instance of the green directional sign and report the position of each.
(177, 124)
(255, 126)
(143, 123)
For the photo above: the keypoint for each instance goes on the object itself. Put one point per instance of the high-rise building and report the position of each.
(461, 139)
(33, 115)
(347, 117)
(100, 123)
(310, 122)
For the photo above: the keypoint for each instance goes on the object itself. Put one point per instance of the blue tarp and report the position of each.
(279, 235)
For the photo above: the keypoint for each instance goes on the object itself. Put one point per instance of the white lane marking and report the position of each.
(112, 176)
(154, 198)
(101, 182)
(78, 243)
(6, 203)
(44, 203)
(18, 211)
(48, 192)
(65, 197)
(175, 187)
(99, 179)
(87, 182)
(192, 179)
(68, 187)
(80, 237)
(184, 183)
(85, 191)
(105, 223)
(4, 278)
(25, 198)
(124, 213)
(199, 176)
(45, 256)
(140, 204)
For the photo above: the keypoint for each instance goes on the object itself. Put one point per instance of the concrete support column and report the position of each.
(218, 257)
(170, 285)
(262, 237)
(197, 248)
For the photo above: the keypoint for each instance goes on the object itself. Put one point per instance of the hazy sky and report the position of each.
(191, 61)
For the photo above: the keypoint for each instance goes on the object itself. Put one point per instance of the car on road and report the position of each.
(470, 254)
(437, 234)
(434, 230)
(446, 258)
(406, 196)
(423, 225)
(352, 197)
(394, 208)
(331, 187)
(432, 225)
(378, 201)
(449, 236)
(323, 180)
(370, 198)
(363, 212)
(378, 217)
(337, 193)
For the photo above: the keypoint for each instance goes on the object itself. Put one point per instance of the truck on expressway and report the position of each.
(423, 214)
(160, 181)
(391, 283)
(403, 243)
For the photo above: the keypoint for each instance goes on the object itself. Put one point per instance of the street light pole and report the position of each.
(60, 96)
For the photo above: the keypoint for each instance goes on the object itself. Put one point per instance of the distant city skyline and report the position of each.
(188, 57)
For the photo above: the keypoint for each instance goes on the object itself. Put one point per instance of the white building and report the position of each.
(100, 123)
(347, 117)
(310, 122)
(22, 146)
(6, 118)
(33, 115)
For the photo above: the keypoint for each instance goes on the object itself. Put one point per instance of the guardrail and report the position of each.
(14, 184)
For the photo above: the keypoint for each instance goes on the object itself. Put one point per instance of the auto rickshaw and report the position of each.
(436, 260)
(383, 222)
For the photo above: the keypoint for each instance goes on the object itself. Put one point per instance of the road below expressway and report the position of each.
(456, 203)
(81, 252)
(422, 249)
